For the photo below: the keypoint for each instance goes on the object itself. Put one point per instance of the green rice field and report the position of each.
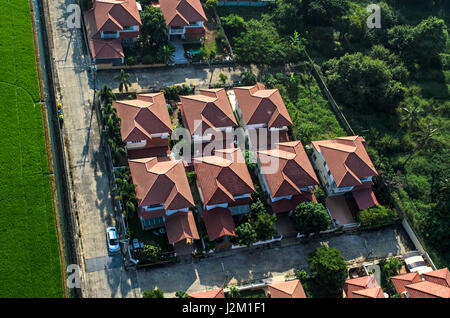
(30, 263)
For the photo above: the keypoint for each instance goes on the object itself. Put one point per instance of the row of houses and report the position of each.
(112, 25)
(432, 284)
(224, 183)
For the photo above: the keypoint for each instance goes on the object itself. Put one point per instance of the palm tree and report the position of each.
(425, 140)
(124, 80)
(125, 189)
(106, 95)
(108, 111)
(166, 52)
(409, 117)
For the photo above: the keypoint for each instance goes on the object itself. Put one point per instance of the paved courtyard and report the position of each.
(243, 266)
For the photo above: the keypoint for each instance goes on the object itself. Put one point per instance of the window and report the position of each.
(329, 172)
(109, 32)
(128, 28)
(314, 157)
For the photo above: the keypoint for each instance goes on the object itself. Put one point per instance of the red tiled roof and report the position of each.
(182, 12)
(213, 293)
(262, 106)
(180, 226)
(347, 159)
(364, 282)
(400, 281)
(161, 181)
(218, 222)
(426, 289)
(223, 176)
(142, 117)
(289, 289)
(440, 276)
(211, 108)
(287, 169)
(365, 198)
(113, 15)
(374, 292)
(285, 205)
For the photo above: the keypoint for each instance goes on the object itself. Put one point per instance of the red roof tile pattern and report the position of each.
(400, 281)
(289, 289)
(347, 159)
(161, 181)
(440, 276)
(142, 117)
(426, 289)
(287, 169)
(374, 292)
(114, 15)
(364, 282)
(210, 109)
(262, 106)
(218, 222)
(213, 293)
(181, 226)
(178, 13)
(223, 176)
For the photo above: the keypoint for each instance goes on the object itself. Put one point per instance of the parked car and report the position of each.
(112, 239)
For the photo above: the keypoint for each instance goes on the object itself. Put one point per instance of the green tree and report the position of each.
(106, 95)
(324, 12)
(223, 78)
(233, 25)
(260, 44)
(310, 217)
(156, 293)
(154, 29)
(329, 270)
(376, 216)
(430, 37)
(257, 208)
(125, 189)
(248, 78)
(124, 80)
(264, 225)
(246, 234)
(389, 268)
(166, 52)
(181, 294)
(152, 251)
(211, 5)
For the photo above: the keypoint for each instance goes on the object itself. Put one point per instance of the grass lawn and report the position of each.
(30, 263)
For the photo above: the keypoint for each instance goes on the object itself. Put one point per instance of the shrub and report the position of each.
(131, 60)
(246, 234)
(210, 5)
(181, 294)
(376, 216)
(152, 251)
(302, 275)
(320, 194)
(264, 226)
(148, 59)
(310, 217)
(389, 268)
(156, 293)
(329, 270)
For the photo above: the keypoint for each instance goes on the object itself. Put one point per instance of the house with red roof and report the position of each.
(184, 18)
(145, 125)
(213, 293)
(164, 197)
(344, 166)
(433, 284)
(286, 175)
(363, 287)
(208, 117)
(285, 289)
(262, 113)
(111, 24)
(225, 188)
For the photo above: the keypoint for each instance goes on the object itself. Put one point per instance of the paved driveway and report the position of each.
(240, 267)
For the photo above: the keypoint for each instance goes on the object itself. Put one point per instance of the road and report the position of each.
(244, 266)
(86, 162)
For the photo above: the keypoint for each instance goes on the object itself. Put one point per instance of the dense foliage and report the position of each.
(376, 216)
(329, 270)
(246, 234)
(310, 217)
(156, 293)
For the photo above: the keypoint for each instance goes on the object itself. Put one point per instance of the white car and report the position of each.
(112, 239)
